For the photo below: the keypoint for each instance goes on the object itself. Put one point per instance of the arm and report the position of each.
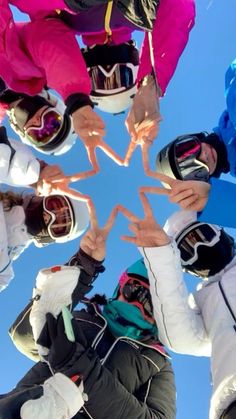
(87, 270)
(18, 242)
(57, 52)
(83, 267)
(18, 165)
(175, 19)
(180, 327)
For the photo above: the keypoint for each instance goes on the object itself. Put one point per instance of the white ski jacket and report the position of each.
(18, 165)
(13, 240)
(203, 324)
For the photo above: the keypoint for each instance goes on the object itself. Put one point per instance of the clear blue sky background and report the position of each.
(193, 102)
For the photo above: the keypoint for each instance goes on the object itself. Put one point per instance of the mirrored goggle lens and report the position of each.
(51, 123)
(187, 152)
(135, 292)
(58, 207)
(203, 234)
(111, 78)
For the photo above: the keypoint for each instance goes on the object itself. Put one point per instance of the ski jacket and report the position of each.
(203, 324)
(18, 165)
(123, 377)
(221, 204)
(45, 51)
(222, 211)
(226, 128)
(14, 240)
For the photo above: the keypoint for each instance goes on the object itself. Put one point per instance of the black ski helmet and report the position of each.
(167, 161)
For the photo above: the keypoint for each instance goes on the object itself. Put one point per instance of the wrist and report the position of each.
(77, 101)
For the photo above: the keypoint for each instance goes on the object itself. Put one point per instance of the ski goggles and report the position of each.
(62, 217)
(118, 77)
(51, 124)
(187, 149)
(137, 292)
(196, 235)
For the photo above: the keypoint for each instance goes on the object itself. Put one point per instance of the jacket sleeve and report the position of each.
(230, 91)
(180, 327)
(21, 330)
(175, 19)
(6, 271)
(18, 165)
(221, 205)
(54, 49)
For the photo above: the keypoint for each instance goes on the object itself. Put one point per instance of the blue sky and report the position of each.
(193, 102)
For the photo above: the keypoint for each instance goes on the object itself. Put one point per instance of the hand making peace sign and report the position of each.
(94, 241)
(189, 194)
(147, 232)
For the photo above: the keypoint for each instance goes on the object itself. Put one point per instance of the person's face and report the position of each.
(208, 156)
(121, 297)
(57, 216)
(35, 121)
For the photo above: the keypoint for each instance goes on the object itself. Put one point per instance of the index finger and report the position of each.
(71, 193)
(92, 215)
(110, 153)
(92, 156)
(166, 179)
(128, 214)
(79, 176)
(145, 157)
(155, 190)
(146, 205)
(131, 148)
(111, 219)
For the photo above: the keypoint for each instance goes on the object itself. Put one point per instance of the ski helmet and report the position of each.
(55, 135)
(205, 249)
(180, 158)
(113, 71)
(134, 287)
(67, 218)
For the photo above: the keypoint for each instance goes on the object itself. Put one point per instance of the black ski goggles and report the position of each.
(195, 235)
(187, 150)
(137, 292)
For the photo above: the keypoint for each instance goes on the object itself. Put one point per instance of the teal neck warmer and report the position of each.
(124, 319)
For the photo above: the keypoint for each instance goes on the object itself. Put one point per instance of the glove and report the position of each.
(54, 289)
(61, 399)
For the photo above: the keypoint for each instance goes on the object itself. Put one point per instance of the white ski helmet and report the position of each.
(113, 72)
(179, 221)
(205, 249)
(62, 140)
(68, 218)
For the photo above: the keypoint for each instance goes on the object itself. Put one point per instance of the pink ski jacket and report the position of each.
(45, 50)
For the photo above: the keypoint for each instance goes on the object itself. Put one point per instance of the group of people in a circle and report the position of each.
(110, 358)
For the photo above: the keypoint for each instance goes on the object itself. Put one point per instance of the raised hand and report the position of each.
(144, 117)
(94, 241)
(52, 180)
(147, 232)
(189, 194)
(91, 128)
